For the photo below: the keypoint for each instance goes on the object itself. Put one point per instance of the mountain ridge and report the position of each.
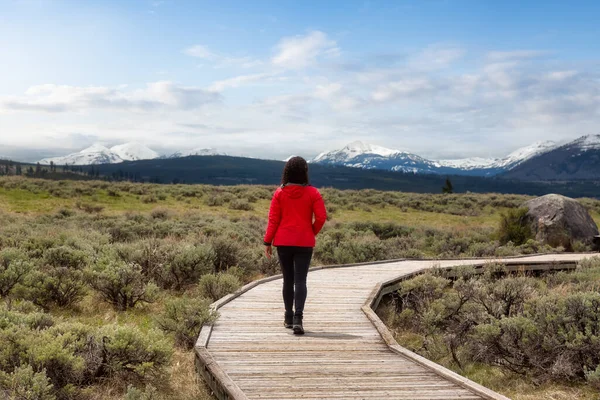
(362, 155)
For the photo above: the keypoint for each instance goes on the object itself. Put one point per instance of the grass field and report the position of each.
(63, 242)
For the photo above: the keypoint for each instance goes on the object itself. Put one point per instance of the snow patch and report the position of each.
(134, 151)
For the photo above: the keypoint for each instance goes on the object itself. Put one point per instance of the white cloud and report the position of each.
(242, 80)
(200, 51)
(336, 95)
(405, 88)
(436, 57)
(63, 98)
(299, 52)
(497, 56)
(221, 60)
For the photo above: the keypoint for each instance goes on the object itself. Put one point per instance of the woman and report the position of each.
(291, 229)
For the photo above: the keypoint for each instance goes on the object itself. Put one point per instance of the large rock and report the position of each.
(559, 221)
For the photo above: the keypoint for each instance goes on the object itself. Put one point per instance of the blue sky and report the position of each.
(444, 79)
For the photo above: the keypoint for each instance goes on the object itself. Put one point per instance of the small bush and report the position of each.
(241, 204)
(65, 213)
(149, 393)
(26, 384)
(514, 227)
(215, 286)
(149, 199)
(48, 286)
(418, 293)
(161, 213)
(89, 207)
(214, 201)
(121, 284)
(33, 320)
(129, 352)
(14, 267)
(184, 317)
(228, 253)
(187, 263)
(67, 257)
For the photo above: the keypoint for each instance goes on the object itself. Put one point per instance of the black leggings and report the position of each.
(294, 265)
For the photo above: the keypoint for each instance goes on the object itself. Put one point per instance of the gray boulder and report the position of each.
(559, 221)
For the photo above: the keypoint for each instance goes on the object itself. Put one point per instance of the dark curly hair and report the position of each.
(295, 171)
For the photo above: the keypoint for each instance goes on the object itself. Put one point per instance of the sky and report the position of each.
(440, 78)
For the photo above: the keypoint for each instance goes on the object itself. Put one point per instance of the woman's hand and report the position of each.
(268, 251)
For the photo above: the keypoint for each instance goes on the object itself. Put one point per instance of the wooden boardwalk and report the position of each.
(346, 352)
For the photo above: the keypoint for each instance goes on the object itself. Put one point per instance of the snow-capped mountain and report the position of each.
(468, 163)
(362, 155)
(579, 159)
(133, 151)
(525, 153)
(95, 154)
(351, 151)
(200, 151)
(585, 143)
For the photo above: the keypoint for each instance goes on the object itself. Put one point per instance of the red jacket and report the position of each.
(291, 216)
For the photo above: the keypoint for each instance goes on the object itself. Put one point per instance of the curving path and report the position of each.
(346, 352)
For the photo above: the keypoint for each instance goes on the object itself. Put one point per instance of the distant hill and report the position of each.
(576, 160)
(225, 170)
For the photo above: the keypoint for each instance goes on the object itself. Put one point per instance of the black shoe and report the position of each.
(298, 328)
(288, 321)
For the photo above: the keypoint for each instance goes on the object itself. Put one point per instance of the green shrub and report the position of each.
(26, 384)
(64, 368)
(418, 293)
(121, 284)
(161, 213)
(186, 264)
(113, 193)
(149, 199)
(589, 263)
(184, 317)
(214, 201)
(49, 286)
(241, 204)
(64, 256)
(14, 268)
(514, 227)
(593, 377)
(383, 231)
(32, 320)
(149, 393)
(129, 352)
(228, 253)
(555, 338)
(345, 247)
(65, 213)
(89, 207)
(215, 286)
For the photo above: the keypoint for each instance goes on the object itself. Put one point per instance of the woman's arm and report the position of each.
(274, 219)
(320, 213)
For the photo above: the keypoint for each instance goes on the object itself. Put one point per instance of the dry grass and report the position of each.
(180, 383)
